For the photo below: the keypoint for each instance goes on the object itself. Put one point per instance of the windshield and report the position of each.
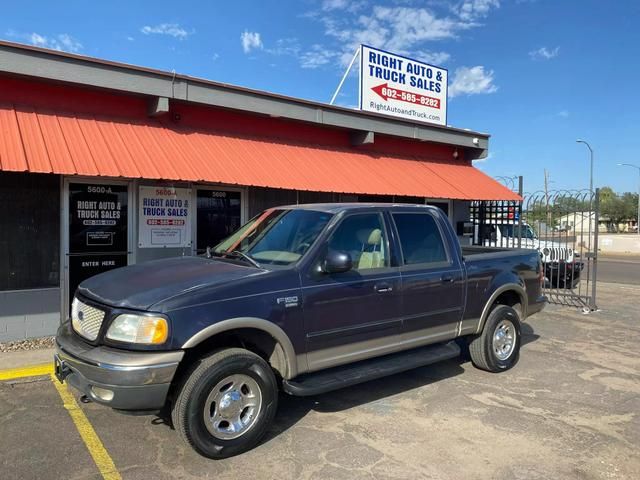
(511, 231)
(276, 237)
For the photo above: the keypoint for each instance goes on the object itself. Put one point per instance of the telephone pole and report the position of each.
(546, 196)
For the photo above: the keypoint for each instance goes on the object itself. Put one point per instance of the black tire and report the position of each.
(189, 406)
(481, 348)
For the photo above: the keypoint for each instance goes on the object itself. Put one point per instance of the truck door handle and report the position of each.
(446, 278)
(383, 288)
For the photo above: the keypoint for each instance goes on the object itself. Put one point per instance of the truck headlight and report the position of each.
(142, 329)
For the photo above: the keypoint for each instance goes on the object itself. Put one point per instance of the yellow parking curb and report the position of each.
(30, 371)
(89, 436)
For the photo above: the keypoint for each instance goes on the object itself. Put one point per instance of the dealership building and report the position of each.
(105, 164)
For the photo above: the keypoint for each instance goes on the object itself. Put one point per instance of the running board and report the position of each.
(354, 373)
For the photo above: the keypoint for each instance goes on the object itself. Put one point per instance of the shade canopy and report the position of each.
(49, 141)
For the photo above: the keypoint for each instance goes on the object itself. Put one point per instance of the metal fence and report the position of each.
(561, 225)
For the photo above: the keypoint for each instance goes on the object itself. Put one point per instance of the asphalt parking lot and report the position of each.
(570, 409)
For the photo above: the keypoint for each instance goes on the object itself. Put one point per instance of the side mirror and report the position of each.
(337, 262)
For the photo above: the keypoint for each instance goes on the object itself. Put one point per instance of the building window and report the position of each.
(29, 231)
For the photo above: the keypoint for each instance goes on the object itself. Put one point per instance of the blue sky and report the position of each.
(535, 74)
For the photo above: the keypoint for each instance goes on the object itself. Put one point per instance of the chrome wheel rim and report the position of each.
(504, 340)
(232, 407)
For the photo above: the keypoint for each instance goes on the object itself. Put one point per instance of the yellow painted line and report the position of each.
(89, 436)
(31, 371)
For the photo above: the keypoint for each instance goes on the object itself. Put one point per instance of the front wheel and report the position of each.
(226, 403)
(497, 348)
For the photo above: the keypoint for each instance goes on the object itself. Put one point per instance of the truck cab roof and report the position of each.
(352, 206)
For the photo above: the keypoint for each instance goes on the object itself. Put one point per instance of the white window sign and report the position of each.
(402, 87)
(164, 217)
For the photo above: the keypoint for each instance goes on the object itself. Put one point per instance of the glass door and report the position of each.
(219, 214)
(97, 235)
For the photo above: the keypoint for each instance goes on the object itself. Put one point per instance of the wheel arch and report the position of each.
(504, 295)
(283, 357)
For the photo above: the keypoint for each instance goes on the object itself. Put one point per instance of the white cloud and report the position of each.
(563, 114)
(328, 5)
(285, 46)
(171, 29)
(472, 81)
(348, 5)
(473, 10)
(544, 53)
(403, 29)
(406, 26)
(250, 41)
(62, 42)
(215, 57)
(434, 58)
(316, 57)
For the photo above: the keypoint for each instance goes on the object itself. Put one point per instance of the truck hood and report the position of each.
(142, 285)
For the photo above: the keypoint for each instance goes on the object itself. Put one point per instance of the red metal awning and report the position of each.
(47, 141)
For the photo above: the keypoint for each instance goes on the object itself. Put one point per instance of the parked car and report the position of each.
(562, 264)
(307, 299)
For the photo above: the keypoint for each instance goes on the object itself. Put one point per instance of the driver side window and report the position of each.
(362, 236)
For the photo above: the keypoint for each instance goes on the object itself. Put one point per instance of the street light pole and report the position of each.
(591, 169)
(637, 168)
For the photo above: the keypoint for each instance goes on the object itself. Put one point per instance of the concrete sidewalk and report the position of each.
(25, 358)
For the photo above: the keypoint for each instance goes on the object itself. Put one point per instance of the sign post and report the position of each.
(402, 87)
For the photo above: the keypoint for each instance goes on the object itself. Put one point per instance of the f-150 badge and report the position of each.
(288, 301)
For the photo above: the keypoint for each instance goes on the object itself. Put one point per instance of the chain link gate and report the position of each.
(561, 225)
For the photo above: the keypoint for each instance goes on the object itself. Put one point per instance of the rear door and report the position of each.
(353, 315)
(432, 278)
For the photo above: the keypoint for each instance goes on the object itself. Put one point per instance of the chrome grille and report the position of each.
(86, 320)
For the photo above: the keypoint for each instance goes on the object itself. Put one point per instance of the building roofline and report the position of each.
(31, 61)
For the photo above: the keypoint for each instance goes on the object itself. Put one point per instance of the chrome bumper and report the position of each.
(136, 380)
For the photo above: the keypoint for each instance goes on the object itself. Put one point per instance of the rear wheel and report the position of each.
(226, 403)
(497, 348)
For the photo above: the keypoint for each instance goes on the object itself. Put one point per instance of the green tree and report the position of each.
(618, 208)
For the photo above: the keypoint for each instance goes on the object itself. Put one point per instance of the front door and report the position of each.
(432, 280)
(97, 231)
(356, 314)
(219, 214)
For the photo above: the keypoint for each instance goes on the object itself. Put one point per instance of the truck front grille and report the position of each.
(86, 320)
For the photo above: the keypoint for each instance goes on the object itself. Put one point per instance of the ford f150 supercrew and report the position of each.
(304, 298)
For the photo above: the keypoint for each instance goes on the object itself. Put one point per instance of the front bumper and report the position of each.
(562, 274)
(137, 380)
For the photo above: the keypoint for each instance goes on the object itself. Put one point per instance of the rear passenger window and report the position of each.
(420, 238)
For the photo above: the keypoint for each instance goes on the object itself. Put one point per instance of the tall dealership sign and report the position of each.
(402, 87)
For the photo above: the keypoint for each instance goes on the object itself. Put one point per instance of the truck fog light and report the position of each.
(102, 393)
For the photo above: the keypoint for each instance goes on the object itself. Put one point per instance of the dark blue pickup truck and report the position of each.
(304, 298)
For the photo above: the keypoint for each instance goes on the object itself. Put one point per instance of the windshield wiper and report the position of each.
(234, 253)
(244, 256)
